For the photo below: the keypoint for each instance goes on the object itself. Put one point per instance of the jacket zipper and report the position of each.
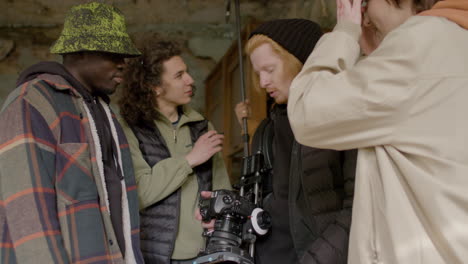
(174, 135)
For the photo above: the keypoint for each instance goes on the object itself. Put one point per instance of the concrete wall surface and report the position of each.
(29, 27)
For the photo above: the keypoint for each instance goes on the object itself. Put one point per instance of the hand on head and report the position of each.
(353, 11)
(242, 110)
(206, 146)
(349, 10)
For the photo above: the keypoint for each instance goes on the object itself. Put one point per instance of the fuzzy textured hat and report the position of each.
(95, 27)
(297, 36)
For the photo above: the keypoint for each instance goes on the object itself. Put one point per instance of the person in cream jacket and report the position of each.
(404, 106)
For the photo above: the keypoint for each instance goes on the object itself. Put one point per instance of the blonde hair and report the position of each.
(292, 65)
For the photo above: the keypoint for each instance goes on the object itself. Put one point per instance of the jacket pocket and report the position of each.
(82, 228)
(74, 179)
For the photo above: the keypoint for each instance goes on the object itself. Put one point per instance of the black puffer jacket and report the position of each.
(310, 203)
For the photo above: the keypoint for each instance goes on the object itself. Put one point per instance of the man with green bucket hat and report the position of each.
(67, 192)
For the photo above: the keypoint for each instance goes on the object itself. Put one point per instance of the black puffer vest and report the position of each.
(159, 222)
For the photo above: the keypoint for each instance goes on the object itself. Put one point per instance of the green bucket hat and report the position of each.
(94, 27)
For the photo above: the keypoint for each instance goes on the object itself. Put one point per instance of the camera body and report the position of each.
(224, 202)
(237, 220)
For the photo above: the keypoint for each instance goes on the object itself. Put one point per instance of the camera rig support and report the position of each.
(239, 217)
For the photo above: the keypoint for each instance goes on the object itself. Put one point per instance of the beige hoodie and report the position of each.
(405, 108)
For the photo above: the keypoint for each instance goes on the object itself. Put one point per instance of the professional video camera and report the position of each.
(238, 217)
(237, 222)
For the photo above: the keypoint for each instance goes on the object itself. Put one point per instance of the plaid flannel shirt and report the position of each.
(52, 194)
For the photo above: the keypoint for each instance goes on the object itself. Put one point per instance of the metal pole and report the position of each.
(245, 131)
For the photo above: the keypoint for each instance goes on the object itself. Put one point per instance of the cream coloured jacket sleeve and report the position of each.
(338, 102)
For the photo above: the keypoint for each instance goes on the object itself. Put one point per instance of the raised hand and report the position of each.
(206, 146)
(349, 10)
(242, 110)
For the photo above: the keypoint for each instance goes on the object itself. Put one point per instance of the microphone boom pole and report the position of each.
(245, 131)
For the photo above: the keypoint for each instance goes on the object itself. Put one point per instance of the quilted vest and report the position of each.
(159, 221)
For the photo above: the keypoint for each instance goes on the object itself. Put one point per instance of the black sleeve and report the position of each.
(331, 247)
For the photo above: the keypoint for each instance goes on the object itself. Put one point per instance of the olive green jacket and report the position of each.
(158, 182)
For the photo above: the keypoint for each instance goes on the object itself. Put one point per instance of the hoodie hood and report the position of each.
(55, 68)
(453, 10)
(37, 69)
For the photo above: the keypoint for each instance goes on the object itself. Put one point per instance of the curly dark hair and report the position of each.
(138, 98)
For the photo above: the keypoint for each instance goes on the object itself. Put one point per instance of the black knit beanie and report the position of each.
(298, 36)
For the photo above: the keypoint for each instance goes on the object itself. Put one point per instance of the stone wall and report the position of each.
(29, 27)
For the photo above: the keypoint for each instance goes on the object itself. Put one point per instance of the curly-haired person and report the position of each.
(175, 152)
